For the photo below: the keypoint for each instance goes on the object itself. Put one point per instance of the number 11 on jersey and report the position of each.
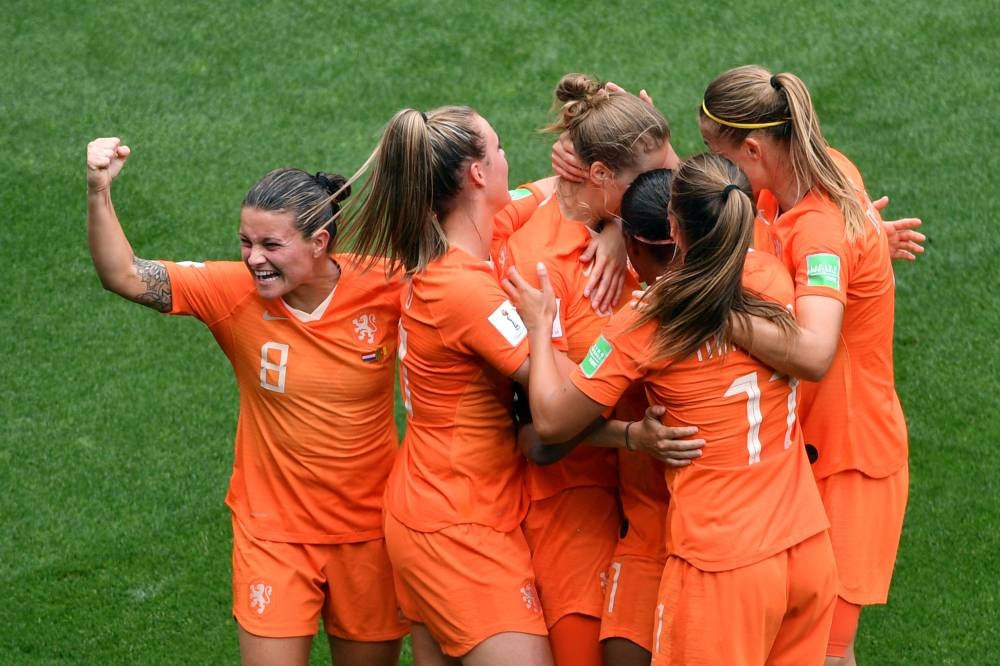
(748, 384)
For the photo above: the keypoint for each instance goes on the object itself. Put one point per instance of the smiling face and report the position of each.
(278, 257)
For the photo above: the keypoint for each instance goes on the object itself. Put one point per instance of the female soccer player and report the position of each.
(311, 342)
(640, 555)
(750, 576)
(455, 498)
(641, 551)
(573, 519)
(824, 229)
(904, 242)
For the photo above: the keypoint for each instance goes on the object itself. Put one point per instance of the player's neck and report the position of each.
(785, 186)
(310, 294)
(580, 202)
(470, 227)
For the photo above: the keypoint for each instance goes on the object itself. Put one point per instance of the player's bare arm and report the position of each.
(154, 276)
(138, 280)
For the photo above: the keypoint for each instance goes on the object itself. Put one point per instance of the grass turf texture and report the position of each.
(116, 424)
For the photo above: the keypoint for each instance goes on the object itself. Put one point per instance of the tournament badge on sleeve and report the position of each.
(508, 323)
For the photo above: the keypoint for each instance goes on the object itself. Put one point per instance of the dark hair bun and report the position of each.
(333, 182)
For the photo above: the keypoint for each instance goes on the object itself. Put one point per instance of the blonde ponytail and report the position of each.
(748, 99)
(417, 173)
(712, 205)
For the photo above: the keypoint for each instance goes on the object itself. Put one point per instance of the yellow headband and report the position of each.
(727, 123)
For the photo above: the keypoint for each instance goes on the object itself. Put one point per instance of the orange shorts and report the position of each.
(465, 583)
(572, 537)
(866, 520)
(777, 611)
(630, 599)
(282, 589)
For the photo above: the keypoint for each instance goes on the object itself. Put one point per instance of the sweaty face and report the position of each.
(278, 257)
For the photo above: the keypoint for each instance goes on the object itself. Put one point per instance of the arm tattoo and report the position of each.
(157, 281)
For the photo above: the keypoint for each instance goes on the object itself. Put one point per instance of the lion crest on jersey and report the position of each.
(260, 597)
(365, 328)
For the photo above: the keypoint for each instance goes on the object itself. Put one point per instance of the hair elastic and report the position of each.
(728, 123)
(647, 241)
(424, 116)
(775, 83)
(729, 188)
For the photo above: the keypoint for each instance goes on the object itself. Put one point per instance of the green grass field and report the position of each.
(116, 424)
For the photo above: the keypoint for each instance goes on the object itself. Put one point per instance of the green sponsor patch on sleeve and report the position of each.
(823, 270)
(519, 193)
(599, 352)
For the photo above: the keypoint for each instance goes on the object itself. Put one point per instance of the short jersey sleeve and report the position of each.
(523, 202)
(476, 317)
(767, 277)
(821, 257)
(615, 360)
(529, 271)
(206, 290)
(539, 241)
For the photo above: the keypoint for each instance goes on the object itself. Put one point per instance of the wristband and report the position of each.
(627, 444)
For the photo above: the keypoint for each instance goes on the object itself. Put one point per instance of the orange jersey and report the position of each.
(460, 340)
(316, 437)
(641, 484)
(557, 241)
(852, 416)
(644, 499)
(766, 277)
(750, 494)
(523, 202)
(761, 235)
(641, 489)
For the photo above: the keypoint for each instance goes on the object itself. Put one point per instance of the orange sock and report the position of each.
(576, 641)
(845, 625)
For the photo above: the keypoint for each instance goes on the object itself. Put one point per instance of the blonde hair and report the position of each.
(416, 175)
(748, 99)
(713, 207)
(614, 128)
